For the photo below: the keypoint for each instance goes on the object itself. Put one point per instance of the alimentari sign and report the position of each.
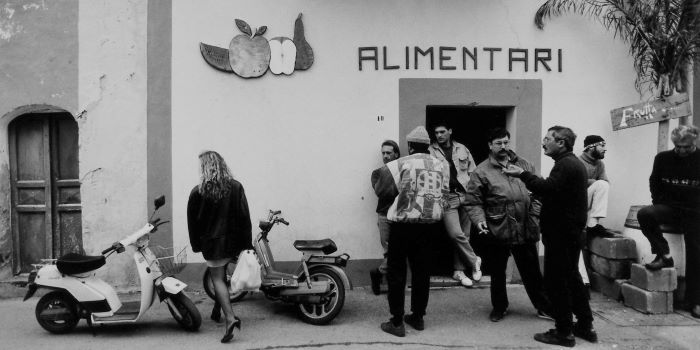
(458, 58)
(675, 106)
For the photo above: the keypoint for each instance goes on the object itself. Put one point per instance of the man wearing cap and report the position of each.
(421, 182)
(390, 151)
(598, 184)
(457, 158)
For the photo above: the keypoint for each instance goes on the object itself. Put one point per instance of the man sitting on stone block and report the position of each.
(675, 197)
(598, 185)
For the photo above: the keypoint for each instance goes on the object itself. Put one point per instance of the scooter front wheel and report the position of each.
(209, 285)
(57, 312)
(185, 313)
(332, 301)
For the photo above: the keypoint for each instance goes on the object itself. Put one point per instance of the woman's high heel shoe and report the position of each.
(229, 330)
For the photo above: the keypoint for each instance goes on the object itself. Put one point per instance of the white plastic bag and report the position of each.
(246, 276)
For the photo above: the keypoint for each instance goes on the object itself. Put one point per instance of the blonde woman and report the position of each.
(219, 226)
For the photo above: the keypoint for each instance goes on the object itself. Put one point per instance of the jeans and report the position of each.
(458, 228)
(527, 260)
(408, 242)
(650, 217)
(384, 226)
(563, 283)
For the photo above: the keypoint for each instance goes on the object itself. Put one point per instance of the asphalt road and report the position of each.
(457, 319)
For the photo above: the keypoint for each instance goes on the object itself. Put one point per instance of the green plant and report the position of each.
(663, 35)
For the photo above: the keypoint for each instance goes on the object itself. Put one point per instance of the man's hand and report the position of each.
(513, 170)
(483, 228)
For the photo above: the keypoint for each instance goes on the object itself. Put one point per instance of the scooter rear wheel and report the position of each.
(57, 312)
(320, 314)
(187, 314)
(209, 285)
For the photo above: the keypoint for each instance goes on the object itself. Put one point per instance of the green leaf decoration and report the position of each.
(261, 31)
(243, 27)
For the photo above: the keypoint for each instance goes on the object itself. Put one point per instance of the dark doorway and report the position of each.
(46, 205)
(470, 126)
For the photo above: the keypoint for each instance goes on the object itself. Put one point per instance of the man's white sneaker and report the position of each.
(476, 274)
(462, 278)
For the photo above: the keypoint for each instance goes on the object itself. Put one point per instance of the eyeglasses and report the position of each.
(546, 139)
(501, 143)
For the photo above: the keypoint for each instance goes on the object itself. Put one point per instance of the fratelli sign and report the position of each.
(458, 58)
(674, 106)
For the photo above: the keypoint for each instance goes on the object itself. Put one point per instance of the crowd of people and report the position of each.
(438, 185)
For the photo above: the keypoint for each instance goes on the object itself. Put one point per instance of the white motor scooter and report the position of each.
(77, 293)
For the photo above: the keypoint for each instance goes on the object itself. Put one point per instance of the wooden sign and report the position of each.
(674, 106)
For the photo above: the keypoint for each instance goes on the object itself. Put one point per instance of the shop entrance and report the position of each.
(470, 127)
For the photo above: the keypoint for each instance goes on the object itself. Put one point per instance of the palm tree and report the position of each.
(663, 35)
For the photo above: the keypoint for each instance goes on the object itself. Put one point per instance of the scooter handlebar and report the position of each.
(283, 221)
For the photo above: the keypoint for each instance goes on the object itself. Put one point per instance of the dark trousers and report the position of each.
(408, 242)
(651, 217)
(526, 258)
(563, 283)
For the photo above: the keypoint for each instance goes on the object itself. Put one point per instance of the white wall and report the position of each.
(306, 143)
(112, 86)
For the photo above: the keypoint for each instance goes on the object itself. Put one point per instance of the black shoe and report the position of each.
(659, 263)
(586, 333)
(695, 311)
(598, 231)
(376, 278)
(399, 331)
(216, 314)
(552, 336)
(497, 315)
(414, 321)
(229, 330)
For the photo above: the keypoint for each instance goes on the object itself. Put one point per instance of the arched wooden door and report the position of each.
(46, 209)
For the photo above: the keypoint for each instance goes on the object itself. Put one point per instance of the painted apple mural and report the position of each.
(250, 55)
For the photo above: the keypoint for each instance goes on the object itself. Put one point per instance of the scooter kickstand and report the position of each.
(91, 326)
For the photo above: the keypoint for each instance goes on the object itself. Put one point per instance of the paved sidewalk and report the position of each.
(457, 319)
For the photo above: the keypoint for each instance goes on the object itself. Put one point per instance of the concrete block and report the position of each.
(609, 287)
(646, 301)
(611, 268)
(618, 247)
(664, 280)
(676, 245)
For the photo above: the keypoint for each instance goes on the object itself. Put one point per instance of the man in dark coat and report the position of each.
(563, 219)
(675, 194)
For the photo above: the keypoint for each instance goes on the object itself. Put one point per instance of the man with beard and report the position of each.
(675, 197)
(562, 220)
(385, 195)
(598, 184)
(502, 207)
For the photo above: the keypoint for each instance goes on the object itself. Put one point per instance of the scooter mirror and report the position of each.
(159, 202)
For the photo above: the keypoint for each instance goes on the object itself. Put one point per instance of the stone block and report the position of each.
(676, 245)
(613, 248)
(646, 301)
(611, 268)
(664, 280)
(609, 287)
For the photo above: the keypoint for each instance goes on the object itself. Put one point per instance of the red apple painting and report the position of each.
(249, 55)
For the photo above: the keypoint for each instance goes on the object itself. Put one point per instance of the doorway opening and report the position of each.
(470, 127)
(45, 186)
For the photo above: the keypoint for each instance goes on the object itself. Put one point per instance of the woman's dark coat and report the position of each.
(219, 229)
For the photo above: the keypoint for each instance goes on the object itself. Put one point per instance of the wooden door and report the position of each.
(46, 210)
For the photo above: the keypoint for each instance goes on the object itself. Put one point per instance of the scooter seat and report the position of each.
(325, 245)
(73, 263)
